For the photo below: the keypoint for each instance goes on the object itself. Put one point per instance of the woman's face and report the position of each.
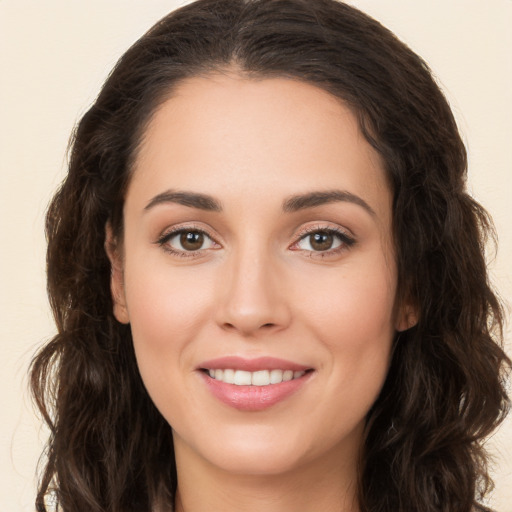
(257, 249)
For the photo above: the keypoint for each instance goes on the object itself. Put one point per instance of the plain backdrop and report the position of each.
(54, 56)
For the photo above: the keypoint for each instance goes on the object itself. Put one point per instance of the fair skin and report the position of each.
(250, 272)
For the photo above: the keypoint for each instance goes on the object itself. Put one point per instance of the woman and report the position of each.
(267, 277)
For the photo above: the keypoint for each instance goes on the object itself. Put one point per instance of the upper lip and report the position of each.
(251, 365)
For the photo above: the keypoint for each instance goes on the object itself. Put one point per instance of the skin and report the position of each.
(257, 288)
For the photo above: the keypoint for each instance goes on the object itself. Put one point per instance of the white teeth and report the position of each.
(287, 375)
(276, 376)
(242, 378)
(259, 378)
(228, 377)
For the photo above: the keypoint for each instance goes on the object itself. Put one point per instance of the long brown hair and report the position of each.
(109, 448)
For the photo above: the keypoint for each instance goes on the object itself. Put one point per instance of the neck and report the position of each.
(328, 485)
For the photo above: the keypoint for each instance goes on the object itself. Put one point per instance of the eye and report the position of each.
(184, 241)
(323, 240)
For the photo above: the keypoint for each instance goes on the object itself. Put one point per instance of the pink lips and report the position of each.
(251, 365)
(252, 398)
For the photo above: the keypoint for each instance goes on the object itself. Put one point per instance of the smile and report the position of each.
(253, 384)
(258, 378)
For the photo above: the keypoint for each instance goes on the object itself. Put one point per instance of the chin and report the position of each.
(271, 450)
(258, 462)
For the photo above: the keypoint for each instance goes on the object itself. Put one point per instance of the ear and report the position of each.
(113, 250)
(407, 316)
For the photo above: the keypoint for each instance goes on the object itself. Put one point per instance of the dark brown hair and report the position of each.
(110, 449)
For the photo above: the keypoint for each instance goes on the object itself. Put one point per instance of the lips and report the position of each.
(251, 365)
(253, 384)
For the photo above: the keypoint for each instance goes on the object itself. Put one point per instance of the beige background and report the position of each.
(54, 56)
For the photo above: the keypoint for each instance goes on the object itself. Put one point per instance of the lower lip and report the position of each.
(253, 398)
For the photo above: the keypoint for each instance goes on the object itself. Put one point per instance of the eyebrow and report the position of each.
(313, 199)
(191, 199)
(292, 204)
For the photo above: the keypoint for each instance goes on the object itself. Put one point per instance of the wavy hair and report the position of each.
(109, 448)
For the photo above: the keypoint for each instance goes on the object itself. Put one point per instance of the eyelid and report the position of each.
(345, 236)
(319, 226)
(173, 231)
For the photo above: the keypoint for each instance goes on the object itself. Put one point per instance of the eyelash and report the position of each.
(346, 241)
(169, 235)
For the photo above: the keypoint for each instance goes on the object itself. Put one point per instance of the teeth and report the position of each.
(259, 378)
(276, 376)
(241, 378)
(228, 376)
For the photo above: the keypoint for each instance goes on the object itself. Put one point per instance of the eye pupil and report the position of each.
(321, 241)
(191, 240)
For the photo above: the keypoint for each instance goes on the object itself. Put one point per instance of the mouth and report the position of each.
(257, 378)
(253, 384)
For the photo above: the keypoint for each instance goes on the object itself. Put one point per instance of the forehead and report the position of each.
(223, 133)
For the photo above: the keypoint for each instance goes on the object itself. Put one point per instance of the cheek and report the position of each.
(355, 305)
(166, 314)
(353, 317)
(166, 310)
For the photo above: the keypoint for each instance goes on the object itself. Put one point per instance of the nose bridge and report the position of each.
(252, 297)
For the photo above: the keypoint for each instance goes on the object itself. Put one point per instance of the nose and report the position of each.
(253, 296)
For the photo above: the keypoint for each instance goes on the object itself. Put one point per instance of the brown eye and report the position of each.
(321, 241)
(185, 241)
(191, 240)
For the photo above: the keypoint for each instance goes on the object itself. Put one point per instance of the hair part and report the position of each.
(109, 448)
